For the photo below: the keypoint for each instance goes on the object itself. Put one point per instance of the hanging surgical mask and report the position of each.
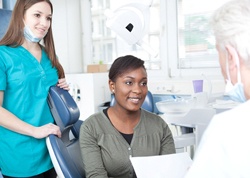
(29, 35)
(235, 92)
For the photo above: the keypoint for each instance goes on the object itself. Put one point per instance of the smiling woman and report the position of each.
(27, 70)
(110, 137)
(37, 21)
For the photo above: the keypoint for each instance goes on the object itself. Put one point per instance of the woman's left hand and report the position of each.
(63, 84)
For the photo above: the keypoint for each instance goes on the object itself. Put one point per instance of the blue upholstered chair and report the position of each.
(65, 151)
(5, 16)
(148, 103)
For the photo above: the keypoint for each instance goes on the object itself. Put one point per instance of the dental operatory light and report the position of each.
(131, 23)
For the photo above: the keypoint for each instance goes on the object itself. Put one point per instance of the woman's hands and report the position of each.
(46, 130)
(63, 84)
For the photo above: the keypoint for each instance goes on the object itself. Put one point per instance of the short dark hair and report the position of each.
(124, 64)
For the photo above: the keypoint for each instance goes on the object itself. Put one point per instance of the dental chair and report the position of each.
(148, 103)
(65, 151)
(5, 16)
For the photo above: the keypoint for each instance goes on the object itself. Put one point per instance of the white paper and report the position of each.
(163, 166)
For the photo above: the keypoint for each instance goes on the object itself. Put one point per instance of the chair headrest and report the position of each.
(63, 107)
(148, 103)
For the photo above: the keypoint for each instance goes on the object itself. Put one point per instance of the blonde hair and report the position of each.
(231, 26)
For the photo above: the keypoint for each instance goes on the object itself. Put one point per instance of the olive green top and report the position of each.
(106, 153)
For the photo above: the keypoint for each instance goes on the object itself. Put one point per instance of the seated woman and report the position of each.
(110, 137)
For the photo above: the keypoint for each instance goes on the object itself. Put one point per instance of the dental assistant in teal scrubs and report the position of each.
(28, 67)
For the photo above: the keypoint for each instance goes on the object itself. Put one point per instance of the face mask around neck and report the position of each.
(29, 35)
(235, 92)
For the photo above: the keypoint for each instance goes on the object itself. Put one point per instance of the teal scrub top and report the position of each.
(25, 83)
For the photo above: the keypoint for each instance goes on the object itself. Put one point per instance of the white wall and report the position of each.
(184, 86)
(94, 90)
(67, 31)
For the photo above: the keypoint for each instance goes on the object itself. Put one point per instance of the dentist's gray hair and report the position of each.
(231, 26)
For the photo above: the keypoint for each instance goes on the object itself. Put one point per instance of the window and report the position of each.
(179, 30)
(107, 45)
(195, 52)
